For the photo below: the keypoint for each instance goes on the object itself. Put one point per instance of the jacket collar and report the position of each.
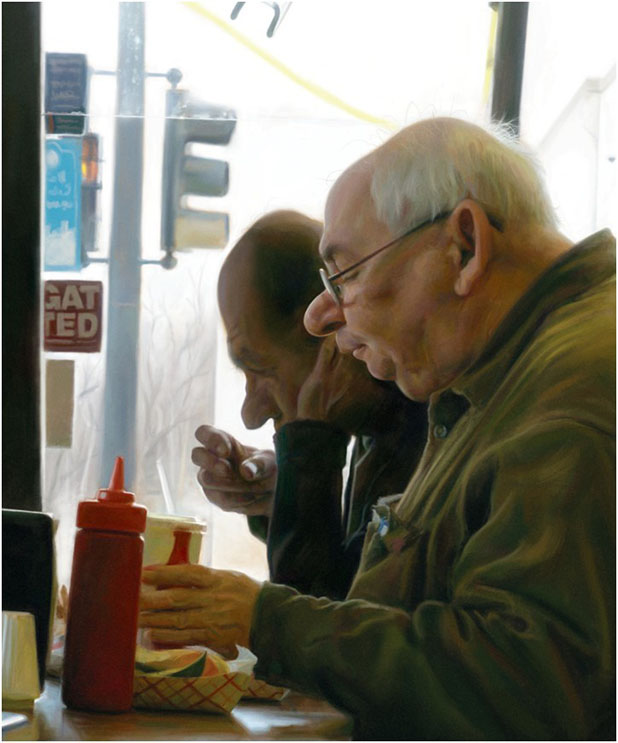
(585, 265)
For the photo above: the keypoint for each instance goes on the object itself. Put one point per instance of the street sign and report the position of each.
(72, 315)
(63, 174)
(66, 86)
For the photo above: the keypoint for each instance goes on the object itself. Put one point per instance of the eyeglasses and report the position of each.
(329, 281)
(334, 289)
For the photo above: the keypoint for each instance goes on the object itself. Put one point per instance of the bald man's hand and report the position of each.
(336, 388)
(234, 477)
(196, 605)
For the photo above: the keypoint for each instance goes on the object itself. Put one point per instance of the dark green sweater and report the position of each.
(314, 538)
(484, 606)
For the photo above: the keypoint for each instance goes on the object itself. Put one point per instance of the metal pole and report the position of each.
(120, 399)
(509, 64)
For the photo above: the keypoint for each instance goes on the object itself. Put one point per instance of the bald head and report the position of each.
(266, 281)
(430, 166)
(273, 270)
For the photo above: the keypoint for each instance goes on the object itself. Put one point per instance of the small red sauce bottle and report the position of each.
(178, 556)
(99, 652)
(180, 551)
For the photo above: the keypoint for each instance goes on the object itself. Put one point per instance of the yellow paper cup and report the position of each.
(159, 537)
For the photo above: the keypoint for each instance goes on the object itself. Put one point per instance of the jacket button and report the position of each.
(440, 431)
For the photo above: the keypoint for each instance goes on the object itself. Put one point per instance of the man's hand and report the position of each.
(196, 605)
(233, 476)
(333, 391)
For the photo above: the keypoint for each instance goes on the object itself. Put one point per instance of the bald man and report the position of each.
(484, 604)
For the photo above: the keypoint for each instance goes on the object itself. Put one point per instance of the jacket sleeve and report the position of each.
(258, 526)
(524, 645)
(305, 534)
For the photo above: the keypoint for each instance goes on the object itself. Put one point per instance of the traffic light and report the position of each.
(189, 121)
(91, 185)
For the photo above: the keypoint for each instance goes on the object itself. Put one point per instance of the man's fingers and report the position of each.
(259, 466)
(227, 603)
(235, 484)
(179, 636)
(181, 575)
(327, 355)
(187, 619)
(218, 469)
(175, 598)
(183, 637)
(249, 504)
(217, 441)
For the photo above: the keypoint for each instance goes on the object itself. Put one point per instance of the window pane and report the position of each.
(331, 83)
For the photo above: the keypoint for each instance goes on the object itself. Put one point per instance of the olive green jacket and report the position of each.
(484, 605)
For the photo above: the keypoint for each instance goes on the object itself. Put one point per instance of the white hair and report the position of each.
(427, 168)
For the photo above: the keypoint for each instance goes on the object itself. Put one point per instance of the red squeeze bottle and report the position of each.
(99, 651)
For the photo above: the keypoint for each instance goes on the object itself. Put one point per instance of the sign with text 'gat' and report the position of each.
(72, 315)
(63, 178)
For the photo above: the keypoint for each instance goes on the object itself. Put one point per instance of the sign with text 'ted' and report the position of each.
(72, 316)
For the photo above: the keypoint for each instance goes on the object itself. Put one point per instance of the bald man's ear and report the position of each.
(471, 235)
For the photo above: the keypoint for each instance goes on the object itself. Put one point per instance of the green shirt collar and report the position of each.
(585, 265)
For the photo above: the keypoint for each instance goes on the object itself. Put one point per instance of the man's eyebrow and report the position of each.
(244, 357)
(330, 252)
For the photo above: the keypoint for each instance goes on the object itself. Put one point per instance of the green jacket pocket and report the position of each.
(392, 566)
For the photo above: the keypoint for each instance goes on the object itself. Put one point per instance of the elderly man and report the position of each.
(317, 398)
(484, 606)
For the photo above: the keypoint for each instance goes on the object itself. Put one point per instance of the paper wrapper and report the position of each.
(200, 694)
(261, 690)
(168, 686)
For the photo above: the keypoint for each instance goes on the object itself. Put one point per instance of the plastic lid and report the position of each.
(172, 523)
(114, 508)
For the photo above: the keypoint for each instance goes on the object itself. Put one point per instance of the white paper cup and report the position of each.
(20, 671)
(159, 537)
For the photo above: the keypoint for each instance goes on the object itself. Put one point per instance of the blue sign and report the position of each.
(63, 179)
(66, 83)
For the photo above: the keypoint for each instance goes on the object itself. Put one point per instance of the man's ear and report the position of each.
(470, 232)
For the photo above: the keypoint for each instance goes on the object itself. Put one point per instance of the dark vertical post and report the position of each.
(21, 204)
(125, 247)
(509, 63)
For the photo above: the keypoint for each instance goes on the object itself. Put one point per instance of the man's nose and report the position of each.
(323, 316)
(258, 407)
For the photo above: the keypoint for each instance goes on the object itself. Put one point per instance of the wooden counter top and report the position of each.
(296, 717)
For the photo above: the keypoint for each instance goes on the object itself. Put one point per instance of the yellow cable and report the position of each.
(491, 52)
(311, 87)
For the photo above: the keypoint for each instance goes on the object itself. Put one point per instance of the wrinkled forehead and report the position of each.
(350, 218)
(350, 192)
(240, 305)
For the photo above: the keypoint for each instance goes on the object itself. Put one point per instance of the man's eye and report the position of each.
(259, 372)
(346, 278)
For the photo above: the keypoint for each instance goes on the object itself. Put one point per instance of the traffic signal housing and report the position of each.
(190, 121)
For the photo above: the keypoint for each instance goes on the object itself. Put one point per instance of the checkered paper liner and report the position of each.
(261, 690)
(216, 694)
(190, 678)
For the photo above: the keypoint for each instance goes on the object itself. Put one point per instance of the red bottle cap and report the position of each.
(114, 508)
